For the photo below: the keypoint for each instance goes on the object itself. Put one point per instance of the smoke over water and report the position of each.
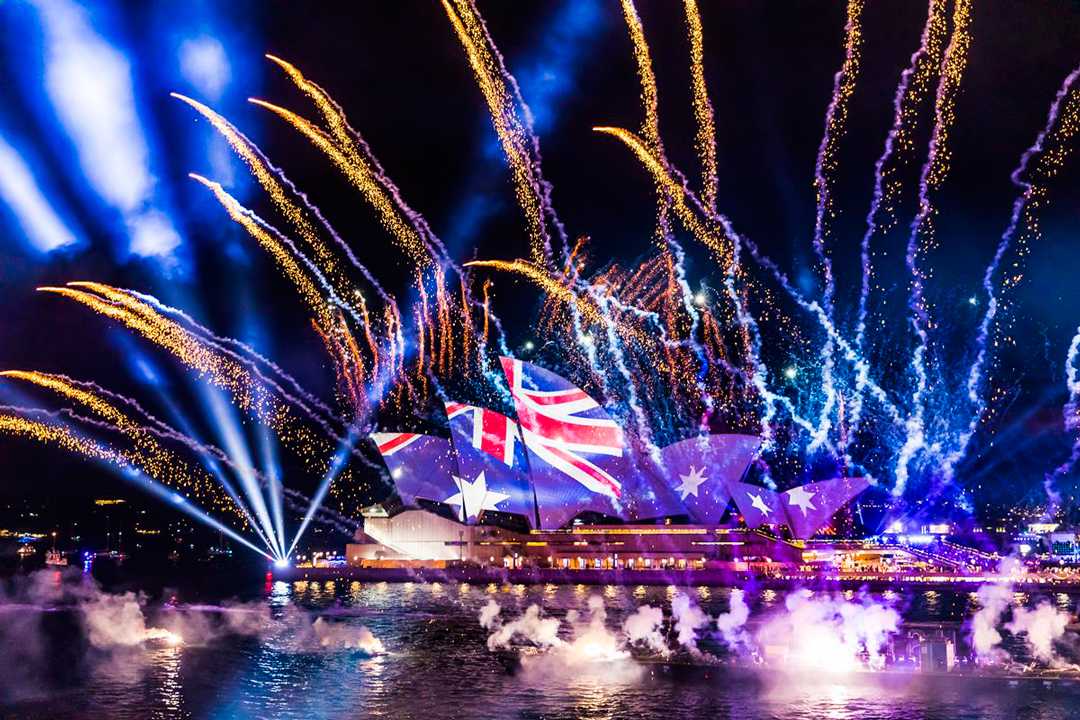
(821, 632)
(809, 630)
(829, 633)
(51, 614)
(1040, 628)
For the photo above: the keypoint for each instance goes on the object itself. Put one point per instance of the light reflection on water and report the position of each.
(437, 666)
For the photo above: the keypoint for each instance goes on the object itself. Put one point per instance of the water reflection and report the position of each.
(438, 666)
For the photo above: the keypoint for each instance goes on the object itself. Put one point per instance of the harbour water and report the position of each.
(435, 662)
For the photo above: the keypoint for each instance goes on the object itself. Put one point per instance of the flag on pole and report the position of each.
(573, 445)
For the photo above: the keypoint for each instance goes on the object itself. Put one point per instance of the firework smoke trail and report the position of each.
(151, 312)
(274, 181)
(705, 144)
(677, 290)
(240, 351)
(759, 375)
(221, 371)
(600, 311)
(285, 252)
(705, 137)
(644, 433)
(914, 83)
(363, 158)
(520, 145)
(650, 127)
(367, 173)
(932, 176)
(359, 175)
(13, 422)
(542, 186)
(824, 166)
(1071, 413)
(84, 392)
(1022, 208)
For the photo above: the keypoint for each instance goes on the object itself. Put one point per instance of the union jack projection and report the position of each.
(491, 471)
(486, 430)
(565, 455)
(421, 466)
(563, 427)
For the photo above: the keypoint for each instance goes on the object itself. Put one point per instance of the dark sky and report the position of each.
(400, 74)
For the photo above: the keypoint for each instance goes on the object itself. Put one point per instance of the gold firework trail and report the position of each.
(705, 137)
(512, 136)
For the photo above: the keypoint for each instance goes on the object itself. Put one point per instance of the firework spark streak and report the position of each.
(18, 422)
(513, 134)
(1071, 413)
(1048, 161)
(825, 165)
(913, 86)
(933, 174)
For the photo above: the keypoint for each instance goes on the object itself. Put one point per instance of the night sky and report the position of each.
(400, 74)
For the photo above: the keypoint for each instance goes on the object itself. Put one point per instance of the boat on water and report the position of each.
(55, 558)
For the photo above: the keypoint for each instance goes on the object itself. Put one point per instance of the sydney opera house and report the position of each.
(561, 486)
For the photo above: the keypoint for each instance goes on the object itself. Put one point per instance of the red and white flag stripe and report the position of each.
(554, 432)
(390, 443)
(492, 432)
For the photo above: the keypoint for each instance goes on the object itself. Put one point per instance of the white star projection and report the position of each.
(474, 497)
(691, 482)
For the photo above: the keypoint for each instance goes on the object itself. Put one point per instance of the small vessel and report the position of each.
(56, 558)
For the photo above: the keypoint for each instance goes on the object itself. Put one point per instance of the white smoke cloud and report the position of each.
(993, 602)
(643, 628)
(731, 624)
(591, 644)
(828, 633)
(1042, 627)
(689, 618)
(530, 628)
(340, 635)
(489, 615)
(118, 620)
